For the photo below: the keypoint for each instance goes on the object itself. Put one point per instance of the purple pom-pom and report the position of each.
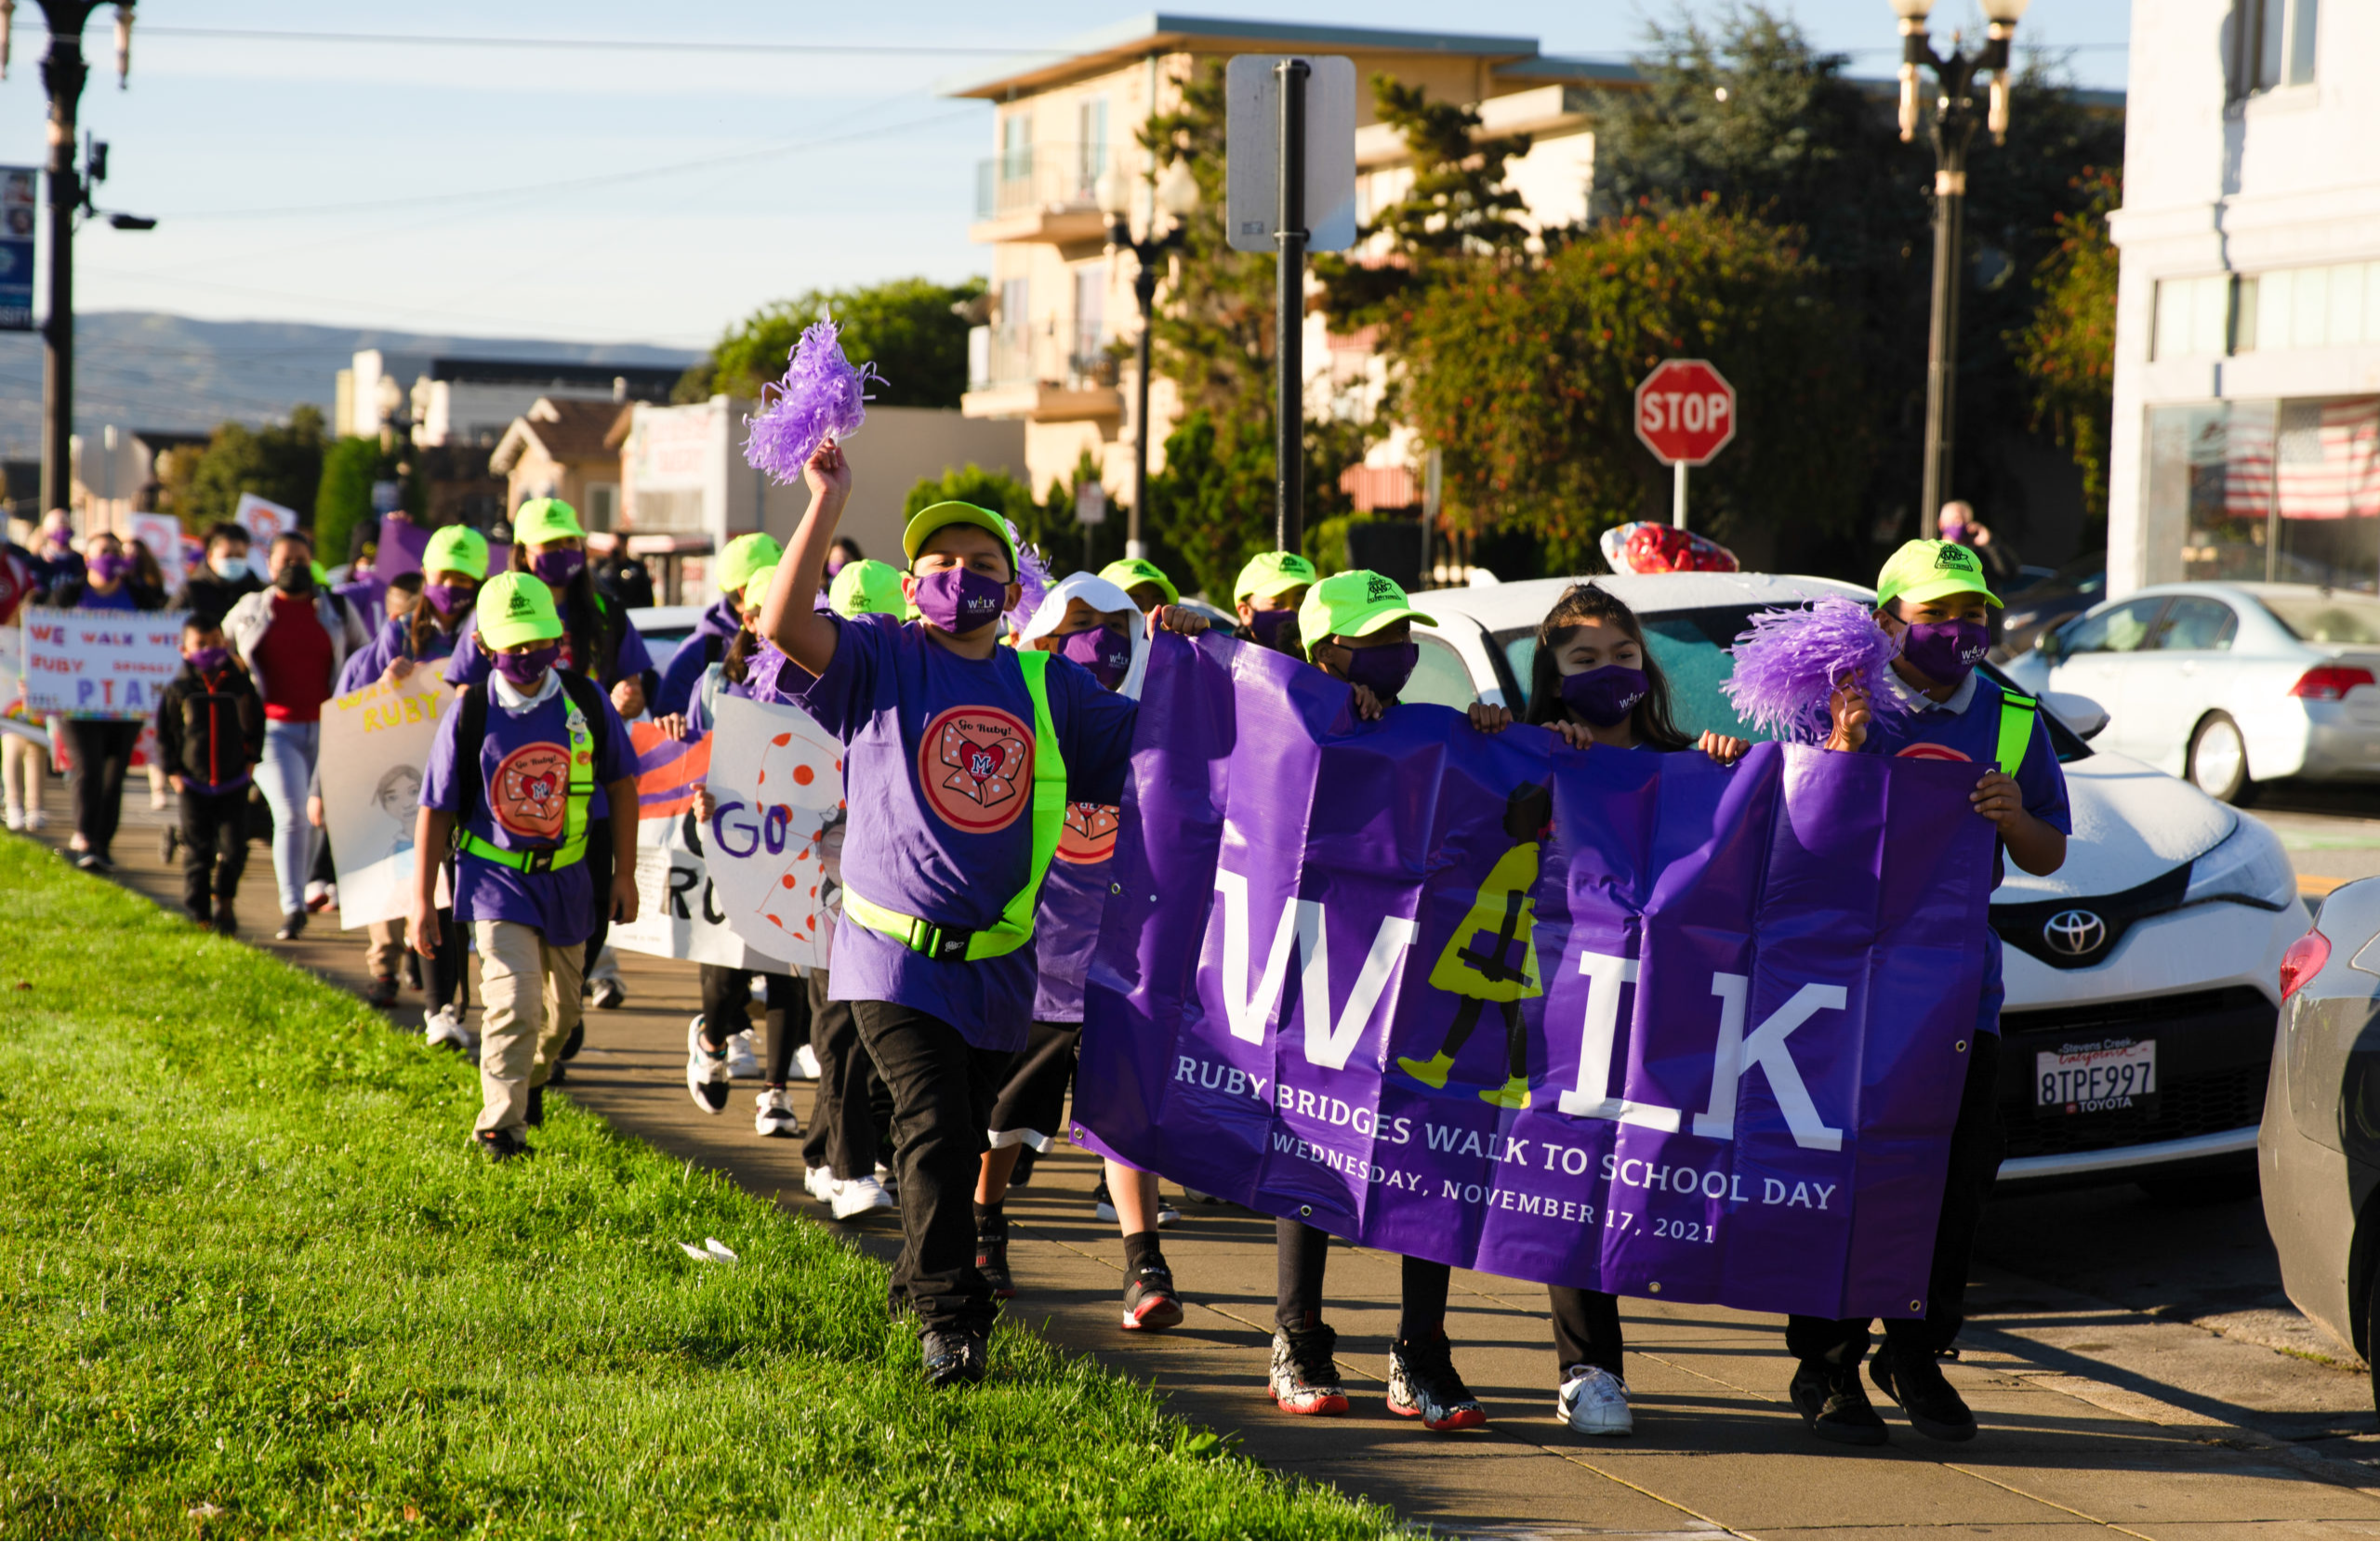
(821, 395)
(1032, 577)
(1791, 662)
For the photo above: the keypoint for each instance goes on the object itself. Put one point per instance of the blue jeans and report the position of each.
(284, 774)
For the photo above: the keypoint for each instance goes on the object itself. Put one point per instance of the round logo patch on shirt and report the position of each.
(976, 764)
(531, 791)
(1089, 834)
(1930, 752)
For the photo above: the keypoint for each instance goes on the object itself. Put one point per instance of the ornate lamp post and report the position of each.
(1954, 125)
(1176, 197)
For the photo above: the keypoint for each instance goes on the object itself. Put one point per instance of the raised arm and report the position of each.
(786, 617)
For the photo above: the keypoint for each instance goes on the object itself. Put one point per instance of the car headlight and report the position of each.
(2248, 867)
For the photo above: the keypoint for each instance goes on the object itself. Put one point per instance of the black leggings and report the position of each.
(1302, 1251)
(102, 752)
(727, 1011)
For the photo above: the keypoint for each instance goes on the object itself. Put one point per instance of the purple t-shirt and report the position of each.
(469, 666)
(938, 783)
(524, 767)
(1074, 896)
(119, 601)
(393, 641)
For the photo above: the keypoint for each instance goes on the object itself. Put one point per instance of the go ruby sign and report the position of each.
(1685, 411)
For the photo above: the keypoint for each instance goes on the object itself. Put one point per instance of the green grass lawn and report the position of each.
(253, 1280)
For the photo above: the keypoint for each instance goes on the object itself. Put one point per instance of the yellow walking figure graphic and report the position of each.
(1479, 963)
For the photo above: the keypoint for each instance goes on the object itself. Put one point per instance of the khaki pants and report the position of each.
(384, 948)
(528, 1005)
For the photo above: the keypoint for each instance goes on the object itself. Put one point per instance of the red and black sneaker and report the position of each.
(1306, 1376)
(1423, 1384)
(1149, 1300)
(991, 1261)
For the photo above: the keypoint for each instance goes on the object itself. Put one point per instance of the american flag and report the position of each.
(2322, 458)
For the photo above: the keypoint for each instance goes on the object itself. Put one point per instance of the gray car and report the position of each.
(2320, 1147)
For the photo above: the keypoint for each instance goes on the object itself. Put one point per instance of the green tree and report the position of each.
(907, 327)
(283, 462)
(971, 483)
(343, 502)
(1524, 374)
(2068, 349)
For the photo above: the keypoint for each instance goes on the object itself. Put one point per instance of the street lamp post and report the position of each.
(1177, 196)
(1954, 126)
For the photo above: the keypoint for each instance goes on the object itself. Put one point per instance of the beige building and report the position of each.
(1055, 352)
(566, 449)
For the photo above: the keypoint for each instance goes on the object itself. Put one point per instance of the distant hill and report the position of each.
(142, 369)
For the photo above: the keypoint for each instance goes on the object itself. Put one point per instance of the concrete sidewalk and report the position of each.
(2097, 1421)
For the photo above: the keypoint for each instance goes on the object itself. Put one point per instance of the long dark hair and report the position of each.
(594, 645)
(424, 621)
(737, 665)
(1584, 602)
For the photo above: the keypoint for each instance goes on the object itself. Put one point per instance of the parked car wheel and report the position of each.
(2218, 759)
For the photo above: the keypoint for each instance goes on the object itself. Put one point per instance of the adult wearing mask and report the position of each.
(224, 580)
(101, 747)
(294, 638)
(2002, 566)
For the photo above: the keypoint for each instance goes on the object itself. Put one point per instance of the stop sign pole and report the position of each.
(1685, 413)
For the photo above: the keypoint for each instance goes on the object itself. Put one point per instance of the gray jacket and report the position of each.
(249, 620)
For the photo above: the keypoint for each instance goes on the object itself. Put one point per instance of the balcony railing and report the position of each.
(1042, 180)
(1052, 353)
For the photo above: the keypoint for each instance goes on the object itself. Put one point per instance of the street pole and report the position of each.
(1954, 130)
(1677, 495)
(62, 74)
(1145, 291)
(1289, 440)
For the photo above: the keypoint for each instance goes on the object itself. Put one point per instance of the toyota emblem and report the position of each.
(2074, 932)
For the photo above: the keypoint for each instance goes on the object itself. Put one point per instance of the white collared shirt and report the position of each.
(513, 700)
(1918, 702)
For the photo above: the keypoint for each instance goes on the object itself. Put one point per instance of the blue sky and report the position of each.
(623, 195)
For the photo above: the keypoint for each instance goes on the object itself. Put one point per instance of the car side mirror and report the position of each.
(2050, 647)
(2085, 717)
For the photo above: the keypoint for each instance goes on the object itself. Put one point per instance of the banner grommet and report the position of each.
(1959, 1047)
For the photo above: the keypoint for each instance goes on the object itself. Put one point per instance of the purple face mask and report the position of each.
(450, 599)
(208, 660)
(960, 600)
(108, 566)
(526, 670)
(1945, 652)
(1273, 629)
(1606, 696)
(558, 567)
(1100, 651)
(1383, 670)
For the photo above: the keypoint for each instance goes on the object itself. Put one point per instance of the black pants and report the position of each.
(942, 1096)
(1977, 1143)
(444, 979)
(727, 1011)
(215, 849)
(599, 873)
(851, 1114)
(1300, 1253)
(102, 752)
(1031, 1108)
(1586, 1330)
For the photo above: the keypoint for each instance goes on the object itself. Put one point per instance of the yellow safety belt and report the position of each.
(2016, 715)
(580, 788)
(1014, 929)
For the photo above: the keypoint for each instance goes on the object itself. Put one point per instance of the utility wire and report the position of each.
(635, 45)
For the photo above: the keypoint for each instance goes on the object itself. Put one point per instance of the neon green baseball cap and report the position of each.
(544, 519)
(515, 608)
(1132, 571)
(745, 556)
(940, 516)
(756, 588)
(1271, 573)
(1357, 603)
(456, 549)
(867, 587)
(1921, 571)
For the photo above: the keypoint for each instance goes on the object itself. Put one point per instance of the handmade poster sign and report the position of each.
(162, 533)
(263, 520)
(779, 781)
(375, 743)
(100, 663)
(678, 910)
(1616, 1020)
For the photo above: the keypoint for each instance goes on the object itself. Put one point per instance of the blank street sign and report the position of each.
(1253, 151)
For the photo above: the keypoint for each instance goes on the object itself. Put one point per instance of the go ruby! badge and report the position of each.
(1685, 411)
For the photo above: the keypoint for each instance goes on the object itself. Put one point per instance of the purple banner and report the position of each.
(1617, 1020)
(399, 547)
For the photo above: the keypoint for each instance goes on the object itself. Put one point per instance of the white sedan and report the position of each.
(2227, 684)
(2157, 946)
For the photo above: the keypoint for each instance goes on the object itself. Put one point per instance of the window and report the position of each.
(1016, 146)
(2197, 624)
(2327, 617)
(1090, 145)
(2277, 492)
(1091, 314)
(603, 504)
(2193, 318)
(2274, 44)
(2121, 629)
(1439, 677)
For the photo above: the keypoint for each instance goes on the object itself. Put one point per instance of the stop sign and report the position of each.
(1685, 411)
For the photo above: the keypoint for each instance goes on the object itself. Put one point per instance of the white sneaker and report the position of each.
(707, 1074)
(159, 802)
(889, 1179)
(1594, 1402)
(860, 1196)
(821, 1184)
(774, 1113)
(36, 818)
(446, 1026)
(742, 1061)
(16, 817)
(805, 1063)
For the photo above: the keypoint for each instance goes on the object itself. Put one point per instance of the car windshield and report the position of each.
(2320, 615)
(1691, 647)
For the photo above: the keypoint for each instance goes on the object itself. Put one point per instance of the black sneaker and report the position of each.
(226, 923)
(1925, 1395)
(501, 1145)
(1835, 1407)
(991, 1261)
(383, 991)
(291, 924)
(1304, 1378)
(577, 1040)
(1149, 1300)
(536, 1114)
(200, 916)
(956, 1357)
(559, 1075)
(1423, 1384)
(609, 995)
(1022, 1173)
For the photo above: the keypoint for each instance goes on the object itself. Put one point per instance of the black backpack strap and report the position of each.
(470, 731)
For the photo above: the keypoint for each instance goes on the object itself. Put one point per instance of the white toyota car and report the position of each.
(2156, 947)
